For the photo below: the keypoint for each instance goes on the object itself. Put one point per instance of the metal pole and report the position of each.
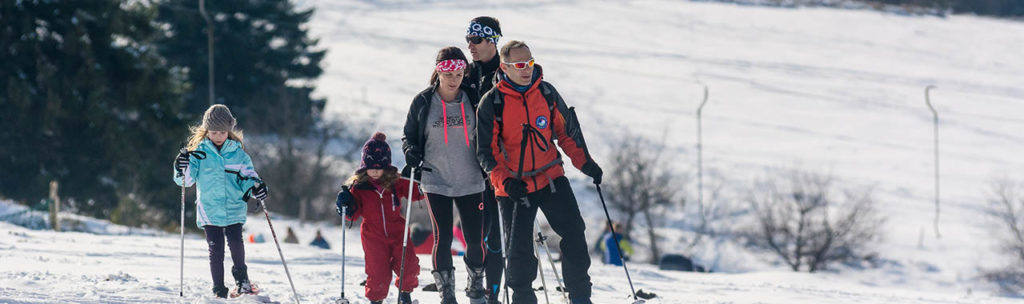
(540, 268)
(616, 238)
(935, 120)
(274, 234)
(543, 241)
(181, 274)
(405, 235)
(54, 207)
(343, 300)
(700, 153)
(209, 45)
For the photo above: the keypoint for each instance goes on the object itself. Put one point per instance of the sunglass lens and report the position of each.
(474, 39)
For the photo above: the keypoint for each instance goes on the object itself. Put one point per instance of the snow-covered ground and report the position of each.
(839, 91)
(71, 267)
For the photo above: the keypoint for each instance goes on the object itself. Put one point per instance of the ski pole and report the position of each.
(542, 239)
(617, 246)
(181, 291)
(274, 234)
(405, 235)
(515, 206)
(504, 246)
(181, 270)
(343, 300)
(540, 268)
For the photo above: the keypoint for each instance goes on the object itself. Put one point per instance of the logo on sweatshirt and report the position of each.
(542, 122)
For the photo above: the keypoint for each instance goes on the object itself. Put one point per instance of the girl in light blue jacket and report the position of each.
(224, 180)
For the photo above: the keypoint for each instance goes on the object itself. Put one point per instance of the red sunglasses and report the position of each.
(522, 64)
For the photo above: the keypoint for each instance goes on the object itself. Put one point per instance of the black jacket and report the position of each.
(415, 133)
(480, 75)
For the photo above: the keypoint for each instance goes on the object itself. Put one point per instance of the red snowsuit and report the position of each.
(381, 233)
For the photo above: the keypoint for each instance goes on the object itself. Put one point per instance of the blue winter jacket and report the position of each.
(219, 190)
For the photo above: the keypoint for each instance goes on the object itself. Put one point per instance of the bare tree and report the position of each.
(639, 182)
(1007, 203)
(801, 220)
(305, 168)
(711, 213)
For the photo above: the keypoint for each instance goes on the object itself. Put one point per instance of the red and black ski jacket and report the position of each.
(502, 114)
(381, 209)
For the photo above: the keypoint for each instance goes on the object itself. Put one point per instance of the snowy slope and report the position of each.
(835, 90)
(838, 91)
(71, 267)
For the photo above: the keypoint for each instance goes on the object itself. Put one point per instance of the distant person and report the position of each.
(256, 238)
(220, 201)
(319, 241)
(610, 251)
(291, 238)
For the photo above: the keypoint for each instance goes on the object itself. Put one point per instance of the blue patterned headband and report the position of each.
(483, 31)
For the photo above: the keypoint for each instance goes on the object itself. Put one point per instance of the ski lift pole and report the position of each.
(700, 152)
(209, 46)
(935, 120)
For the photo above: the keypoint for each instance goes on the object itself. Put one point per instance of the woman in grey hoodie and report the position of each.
(440, 142)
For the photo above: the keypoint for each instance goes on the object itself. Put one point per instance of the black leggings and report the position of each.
(493, 261)
(215, 238)
(471, 212)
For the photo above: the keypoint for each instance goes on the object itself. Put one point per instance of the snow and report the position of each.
(838, 91)
(41, 266)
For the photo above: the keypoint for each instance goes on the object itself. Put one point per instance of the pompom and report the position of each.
(379, 136)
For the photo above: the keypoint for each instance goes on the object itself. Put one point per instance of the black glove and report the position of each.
(259, 191)
(346, 200)
(181, 162)
(418, 170)
(516, 189)
(412, 160)
(591, 169)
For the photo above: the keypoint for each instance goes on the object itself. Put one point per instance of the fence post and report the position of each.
(54, 207)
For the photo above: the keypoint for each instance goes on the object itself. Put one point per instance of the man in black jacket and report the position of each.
(482, 36)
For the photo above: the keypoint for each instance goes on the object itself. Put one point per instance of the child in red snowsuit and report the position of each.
(376, 192)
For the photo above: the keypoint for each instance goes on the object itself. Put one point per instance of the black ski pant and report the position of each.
(493, 261)
(471, 212)
(215, 239)
(563, 213)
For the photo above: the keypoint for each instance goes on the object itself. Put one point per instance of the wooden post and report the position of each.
(54, 206)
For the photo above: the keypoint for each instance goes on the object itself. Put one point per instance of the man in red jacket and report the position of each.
(520, 120)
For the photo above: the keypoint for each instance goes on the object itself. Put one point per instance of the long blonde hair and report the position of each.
(199, 133)
(390, 178)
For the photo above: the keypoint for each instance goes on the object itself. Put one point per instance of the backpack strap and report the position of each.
(499, 102)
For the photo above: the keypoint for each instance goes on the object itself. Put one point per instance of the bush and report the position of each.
(801, 220)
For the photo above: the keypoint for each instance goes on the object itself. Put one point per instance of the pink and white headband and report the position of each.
(451, 65)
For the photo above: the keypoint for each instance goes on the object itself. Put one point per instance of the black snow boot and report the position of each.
(492, 298)
(445, 281)
(404, 298)
(241, 280)
(475, 287)
(220, 292)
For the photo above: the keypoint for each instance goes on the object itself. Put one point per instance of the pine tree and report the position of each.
(259, 46)
(88, 102)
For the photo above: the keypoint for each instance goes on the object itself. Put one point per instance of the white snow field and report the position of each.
(838, 91)
(73, 267)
